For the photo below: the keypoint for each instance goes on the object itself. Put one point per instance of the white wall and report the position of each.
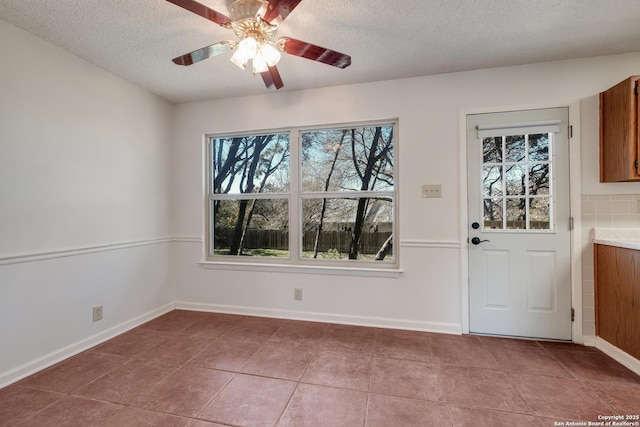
(84, 194)
(96, 175)
(429, 294)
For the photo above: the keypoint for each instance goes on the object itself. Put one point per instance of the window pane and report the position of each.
(251, 227)
(492, 150)
(250, 164)
(514, 148)
(358, 159)
(493, 213)
(516, 213)
(539, 212)
(516, 184)
(492, 181)
(331, 229)
(539, 147)
(539, 179)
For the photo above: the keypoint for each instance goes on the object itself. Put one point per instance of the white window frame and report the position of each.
(295, 262)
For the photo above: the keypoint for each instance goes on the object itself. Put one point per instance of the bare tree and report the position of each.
(367, 169)
(387, 246)
(270, 169)
(337, 148)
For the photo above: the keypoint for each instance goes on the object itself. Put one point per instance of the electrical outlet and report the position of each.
(297, 294)
(434, 190)
(97, 313)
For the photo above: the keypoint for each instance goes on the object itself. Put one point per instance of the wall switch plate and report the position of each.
(297, 294)
(97, 313)
(432, 190)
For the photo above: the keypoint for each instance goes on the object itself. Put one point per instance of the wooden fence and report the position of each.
(370, 242)
(517, 225)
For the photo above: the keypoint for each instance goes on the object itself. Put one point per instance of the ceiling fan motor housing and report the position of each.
(244, 9)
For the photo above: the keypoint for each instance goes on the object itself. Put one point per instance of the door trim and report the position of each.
(575, 208)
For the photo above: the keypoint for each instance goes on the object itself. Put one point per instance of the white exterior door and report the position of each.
(519, 224)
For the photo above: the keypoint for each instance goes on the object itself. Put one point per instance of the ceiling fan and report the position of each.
(255, 23)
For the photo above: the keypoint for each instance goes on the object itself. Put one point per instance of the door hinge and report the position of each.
(573, 314)
(635, 89)
(570, 223)
(636, 164)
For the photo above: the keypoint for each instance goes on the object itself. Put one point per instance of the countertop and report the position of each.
(621, 237)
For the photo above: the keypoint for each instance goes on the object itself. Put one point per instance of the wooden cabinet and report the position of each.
(617, 293)
(619, 136)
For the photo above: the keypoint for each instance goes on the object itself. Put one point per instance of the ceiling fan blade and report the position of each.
(272, 78)
(276, 11)
(202, 10)
(313, 52)
(204, 53)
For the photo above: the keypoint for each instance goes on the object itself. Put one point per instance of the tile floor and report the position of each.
(205, 369)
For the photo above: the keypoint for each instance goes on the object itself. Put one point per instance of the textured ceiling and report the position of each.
(136, 39)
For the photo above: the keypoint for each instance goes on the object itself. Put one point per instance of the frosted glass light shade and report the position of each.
(259, 64)
(246, 50)
(270, 54)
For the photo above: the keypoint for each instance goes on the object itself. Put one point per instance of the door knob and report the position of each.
(477, 241)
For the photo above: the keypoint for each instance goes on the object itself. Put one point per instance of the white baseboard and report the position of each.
(618, 355)
(588, 340)
(33, 366)
(378, 322)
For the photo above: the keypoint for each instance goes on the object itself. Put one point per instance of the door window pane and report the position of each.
(516, 180)
(539, 147)
(493, 213)
(514, 148)
(492, 150)
(492, 181)
(517, 213)
(539, 179)
(539, 212)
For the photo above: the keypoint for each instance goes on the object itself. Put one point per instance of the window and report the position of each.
(303, 196)
(516, 173)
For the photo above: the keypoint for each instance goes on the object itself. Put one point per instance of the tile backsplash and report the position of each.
(602, 211)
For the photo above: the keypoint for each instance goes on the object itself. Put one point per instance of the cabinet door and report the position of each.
(636, 90)
(619, 138)
(636, 304)
(617, 297)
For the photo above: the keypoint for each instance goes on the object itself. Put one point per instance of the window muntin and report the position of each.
(516, 182)
(309, 196)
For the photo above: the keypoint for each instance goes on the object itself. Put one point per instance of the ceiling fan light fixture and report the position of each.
(255, 23)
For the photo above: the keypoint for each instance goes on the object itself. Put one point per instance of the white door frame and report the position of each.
(575, 207)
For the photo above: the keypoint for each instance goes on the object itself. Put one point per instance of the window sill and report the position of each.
(305, 269)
